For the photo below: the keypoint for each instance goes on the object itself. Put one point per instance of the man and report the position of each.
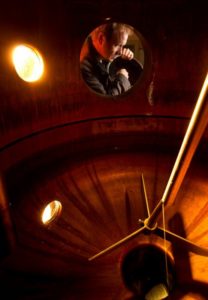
(102, 47)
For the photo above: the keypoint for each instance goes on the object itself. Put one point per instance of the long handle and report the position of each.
(195, 130)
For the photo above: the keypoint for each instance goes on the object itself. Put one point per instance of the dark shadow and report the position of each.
(128, 210)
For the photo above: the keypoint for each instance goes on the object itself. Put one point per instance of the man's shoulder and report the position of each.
(86, 63)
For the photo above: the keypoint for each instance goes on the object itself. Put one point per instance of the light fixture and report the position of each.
(28, 63)
(51, 212)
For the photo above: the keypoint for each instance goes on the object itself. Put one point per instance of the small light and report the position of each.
(51, 211)
(28, 63)
(158, 292)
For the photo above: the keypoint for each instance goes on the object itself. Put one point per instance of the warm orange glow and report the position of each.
(28, 63)
(51, 211)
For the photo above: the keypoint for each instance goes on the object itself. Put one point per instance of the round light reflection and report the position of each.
(51, 211)
(28, 63)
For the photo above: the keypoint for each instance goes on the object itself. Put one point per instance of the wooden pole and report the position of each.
(195, 130)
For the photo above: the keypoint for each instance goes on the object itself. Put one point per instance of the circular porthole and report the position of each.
(113, 58)
(51, 212)
(146, 273)
(28, 63)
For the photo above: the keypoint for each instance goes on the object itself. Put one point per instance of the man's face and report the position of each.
(110, 49)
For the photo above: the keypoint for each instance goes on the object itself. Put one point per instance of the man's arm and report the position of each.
(116, 86)
(89, 77)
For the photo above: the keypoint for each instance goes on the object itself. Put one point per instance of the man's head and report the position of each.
(109, 39)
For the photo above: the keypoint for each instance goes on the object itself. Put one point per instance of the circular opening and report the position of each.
(112, 59)
(51, 212)
(28, 63)
(145, 274)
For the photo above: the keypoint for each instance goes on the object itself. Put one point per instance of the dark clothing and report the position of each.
(95, 72)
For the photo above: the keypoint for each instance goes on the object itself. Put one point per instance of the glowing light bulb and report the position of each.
(51, 211)
(28, 63)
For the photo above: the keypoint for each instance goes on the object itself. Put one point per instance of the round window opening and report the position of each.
(112, 59)
(148, 272)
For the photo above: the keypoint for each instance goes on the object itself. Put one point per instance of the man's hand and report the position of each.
(126, 53)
